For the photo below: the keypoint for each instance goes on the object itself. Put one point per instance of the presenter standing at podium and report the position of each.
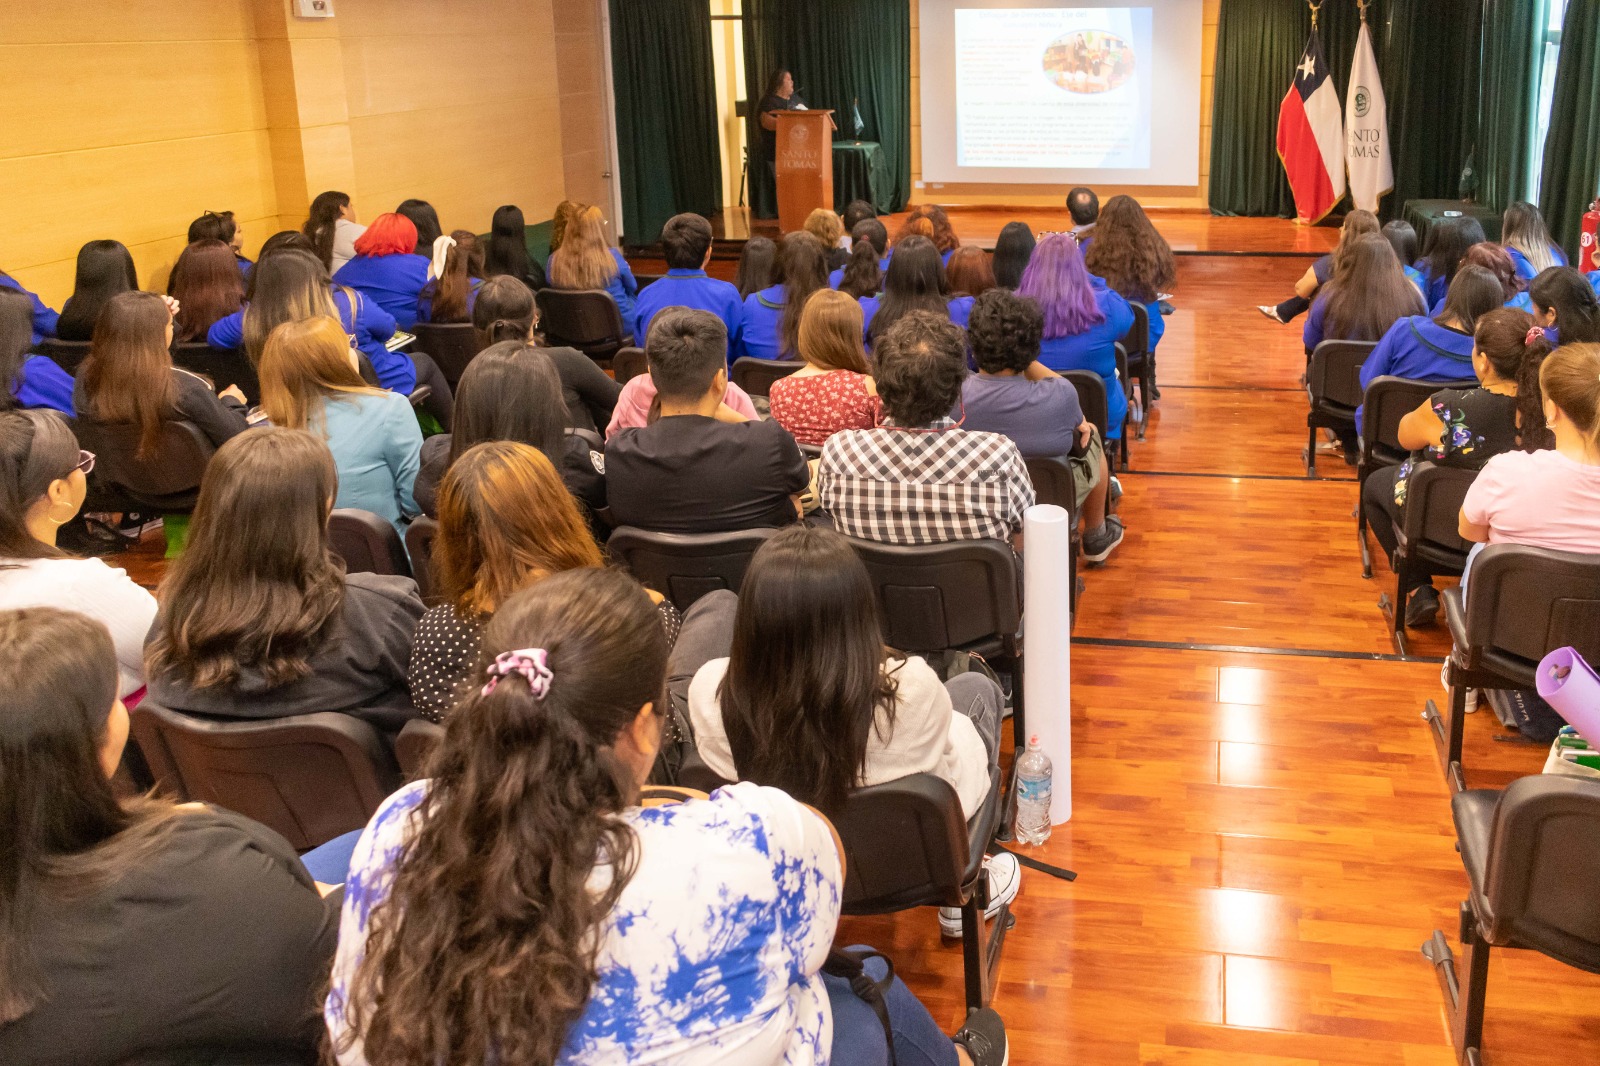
(780, 96)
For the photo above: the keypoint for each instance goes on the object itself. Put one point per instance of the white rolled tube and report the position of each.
(1047, 644)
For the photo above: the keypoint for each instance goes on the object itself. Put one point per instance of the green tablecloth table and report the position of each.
(1426, 214)
(861, 172)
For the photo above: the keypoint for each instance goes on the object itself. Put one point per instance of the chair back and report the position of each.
(1543, 863)
(309, 777)
(756, 376)
(1334, 377)
(905, 845)
(1091, 396)
(628, 364)
(415, 744)
(166, 480)
(1136, 342)
(1389, 399)
(1524, 603)
(585, 319)
(1431, 529)
(1053, 482)
(222, 366)
(68, 355)
(937, 597)
(685, 566)
(451, 345)
(419, 545)
(367, 543)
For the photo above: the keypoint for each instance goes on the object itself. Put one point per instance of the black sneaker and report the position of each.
(1098, 544)
(1422, 609)
(984, 1037)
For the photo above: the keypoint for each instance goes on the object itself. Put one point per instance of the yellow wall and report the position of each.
(127, 119)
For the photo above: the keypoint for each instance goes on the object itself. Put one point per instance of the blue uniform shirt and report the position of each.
(393, 282)
(42, 383)
(1594, 280)
(44, 318)
(1525, 269)
(1096, 349)
(1420, 349)
(761, 325)
(623, 287)
(687, 288)
(363, 319)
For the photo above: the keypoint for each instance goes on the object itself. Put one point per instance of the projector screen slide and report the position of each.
(1015, 92)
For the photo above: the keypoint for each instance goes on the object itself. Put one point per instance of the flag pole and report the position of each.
(1315, 7)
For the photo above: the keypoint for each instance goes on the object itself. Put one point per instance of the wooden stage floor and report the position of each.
(1261, 829)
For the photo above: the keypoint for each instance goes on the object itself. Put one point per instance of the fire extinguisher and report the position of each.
(1589, 243)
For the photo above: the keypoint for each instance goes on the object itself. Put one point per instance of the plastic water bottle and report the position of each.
(1034, 774)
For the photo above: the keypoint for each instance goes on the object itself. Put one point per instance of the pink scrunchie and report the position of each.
(1534, 333)
(531, 663)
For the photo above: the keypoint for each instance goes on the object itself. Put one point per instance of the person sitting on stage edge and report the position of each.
(1356, 224)
(686, 240)
(769, 325)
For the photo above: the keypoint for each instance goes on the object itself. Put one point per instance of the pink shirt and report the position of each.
(633, 406)
(1541, 498)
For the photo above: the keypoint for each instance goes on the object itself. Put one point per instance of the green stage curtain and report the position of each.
(1506, 97)
(840, 51)
(666, 92)
(1429, 65)
(1572, 146)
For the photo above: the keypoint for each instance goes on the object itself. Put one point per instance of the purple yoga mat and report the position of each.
(1575, 696)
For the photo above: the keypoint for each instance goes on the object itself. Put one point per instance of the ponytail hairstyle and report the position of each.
(503, 311)
(861, 275)
(488, 940)
(448, 293)
(1570, 379)
(1522, 227)
(1504, 337)
(1567, 292)
(37, 449)
(326, 211)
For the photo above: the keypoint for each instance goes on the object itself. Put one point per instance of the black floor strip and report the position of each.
(1237, 477)
(1251, 255)
(1305, 653)
(1235, 388)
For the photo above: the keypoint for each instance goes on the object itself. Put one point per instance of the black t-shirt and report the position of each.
(582, 470)
(693, 474)
(1478, 425)
(774, 102)
(213, 950)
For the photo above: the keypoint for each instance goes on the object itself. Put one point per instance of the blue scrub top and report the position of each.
(761, 325)
(1420, 349)
(623, 287)
(364, 319)
(1525, 269)
(42, 383)
(44, 317)
(687, 288)
(1594, 281)
(1096, 349)
(960, 310)
(393, 282)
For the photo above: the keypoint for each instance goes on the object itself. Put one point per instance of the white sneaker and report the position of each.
(1270, 311)
(1005, 879)
(1472, 693)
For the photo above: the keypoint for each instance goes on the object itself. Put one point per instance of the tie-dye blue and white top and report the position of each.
(712, 955)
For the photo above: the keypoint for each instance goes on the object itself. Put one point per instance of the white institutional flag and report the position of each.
(1366, 129)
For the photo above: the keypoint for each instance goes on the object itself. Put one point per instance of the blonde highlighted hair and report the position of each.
(584, 260)
(303, 365)
(825, 226)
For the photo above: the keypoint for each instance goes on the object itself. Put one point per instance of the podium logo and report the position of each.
(800, 134)
(1363, 101)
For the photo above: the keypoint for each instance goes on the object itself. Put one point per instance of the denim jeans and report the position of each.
(858, 1034)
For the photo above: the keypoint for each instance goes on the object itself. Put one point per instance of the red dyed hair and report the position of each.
(388, 234)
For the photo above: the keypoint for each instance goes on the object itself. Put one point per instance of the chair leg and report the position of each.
(1311, 452)
(1395, 610)
(1019, 720)
(973, 955)
(1464, 1002)
(1361, 538)
(1447, 732)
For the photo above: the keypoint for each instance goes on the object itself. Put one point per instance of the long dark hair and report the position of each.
(1502, 337)
(488, 940)
(510, 391)
(757, 260)
(206, 283)
(426, 219)
(447, 295)
(861, 275)
(326, 210)
(1447, 246)
(1012, 250)
(1135, 260)
(507, 252)
(1474, 292)
(286, 286)
(1368, 293)
(257, 586)
(915, 281)
(104, 269)
(127, 376)
(1402, 237)
(37, 449)
(802, 269)
(806, 679)
(1567, 292)
(503, 311)
(61, 826)
(16, 338)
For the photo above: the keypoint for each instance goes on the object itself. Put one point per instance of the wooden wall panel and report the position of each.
(585, 133)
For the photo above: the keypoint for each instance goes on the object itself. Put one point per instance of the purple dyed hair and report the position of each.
(1058, 280)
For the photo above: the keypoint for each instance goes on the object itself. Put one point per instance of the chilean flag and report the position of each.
(1311, 136)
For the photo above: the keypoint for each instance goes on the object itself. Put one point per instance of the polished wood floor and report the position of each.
(1261, 830)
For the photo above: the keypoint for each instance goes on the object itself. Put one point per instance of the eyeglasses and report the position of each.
(85, 463)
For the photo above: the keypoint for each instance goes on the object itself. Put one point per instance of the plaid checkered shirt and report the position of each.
(924, 486)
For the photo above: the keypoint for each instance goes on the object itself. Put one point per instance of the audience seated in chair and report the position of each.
(505, 311)
(1525, 236)
(506, 252)
(129, 376)
(1083, 320)
(385, 270)
(135, 930)
(1135, 260)
(1448, 242)
(1565, 306)
(42, 487)
(420, 213)
(1357, 223)
(702, 467)
(1464, 428)
(1497, 261)
(30, 380)
(104, 269)
(1016, 395)
(1083, 206)
(539, 775)
(968, 275)
(505, 522)
(769, 323)
(686, 245)
(585, 259)
(1367, 295)
(758, 262)
(207, 285)
(862, 273)
(1013, 250)
(222, 226)
(44, 317)
(1402, 237)
(309, 381)
(332, 229)
(511, 392)
(834, 390)
(258, 618)
(456, 274)
(830, 231)
(919, 478)
(913, 281)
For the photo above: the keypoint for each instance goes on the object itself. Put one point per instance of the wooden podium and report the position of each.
(804, 164)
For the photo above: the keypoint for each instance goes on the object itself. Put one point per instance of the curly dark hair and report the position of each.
(1127, 251)
(487, 942)
(1004, 331)
(919, 365)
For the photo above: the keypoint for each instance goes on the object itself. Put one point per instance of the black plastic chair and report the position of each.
(1532, 855)
(1524, 603)
(68, 355)
(415, 744)
(419, 546)
(367, 543)
(685, 566)
(165, 482)
(451, 345)
(963, 595)
(1141, 363)
(1092, 400)
(585, 319)
(1388, 400)
(310, 777)
(1053, 483)
(1428, 536)
(1333, 378)
(755, 376)
(1119, 454)
(628, 364)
